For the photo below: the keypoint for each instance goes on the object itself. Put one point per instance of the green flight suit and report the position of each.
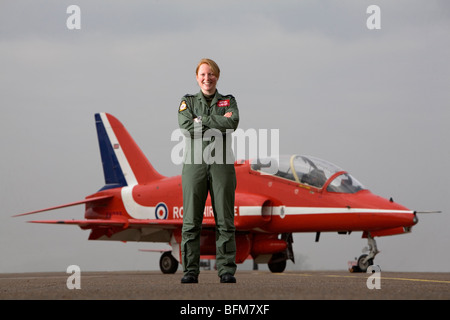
(208, 166)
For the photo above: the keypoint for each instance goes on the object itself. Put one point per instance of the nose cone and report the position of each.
(380, 213)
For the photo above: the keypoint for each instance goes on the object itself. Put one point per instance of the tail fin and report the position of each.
(124, 164)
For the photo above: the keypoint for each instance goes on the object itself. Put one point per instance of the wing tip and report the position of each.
(87, 200)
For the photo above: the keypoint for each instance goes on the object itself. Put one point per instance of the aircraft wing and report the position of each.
(131, 223)
(85, 224)
(87, 200)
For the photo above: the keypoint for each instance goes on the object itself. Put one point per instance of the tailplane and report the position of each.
(124, 163)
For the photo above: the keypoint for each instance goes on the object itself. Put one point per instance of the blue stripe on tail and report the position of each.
(112, 171)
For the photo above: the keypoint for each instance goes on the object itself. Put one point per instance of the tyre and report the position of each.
(363, 266)
(277, 263)
(167, 263)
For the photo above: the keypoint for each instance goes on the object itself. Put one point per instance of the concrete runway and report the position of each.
(251, 285)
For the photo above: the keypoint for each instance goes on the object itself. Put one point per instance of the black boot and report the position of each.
(189, 278)
(227, 278)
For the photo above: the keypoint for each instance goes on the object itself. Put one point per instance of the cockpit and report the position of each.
(308, 171)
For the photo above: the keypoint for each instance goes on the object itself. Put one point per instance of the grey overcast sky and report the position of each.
(374, 102)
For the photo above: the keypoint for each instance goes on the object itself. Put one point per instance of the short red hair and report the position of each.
(214, 67)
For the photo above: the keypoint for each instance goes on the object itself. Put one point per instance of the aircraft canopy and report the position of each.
(309, 171)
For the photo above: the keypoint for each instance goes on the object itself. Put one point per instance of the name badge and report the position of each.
(223, 103)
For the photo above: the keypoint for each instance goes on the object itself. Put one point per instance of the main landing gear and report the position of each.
(167, 263)
(277, 263)
(365, 260)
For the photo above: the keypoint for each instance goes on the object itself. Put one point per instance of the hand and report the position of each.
(228, 114)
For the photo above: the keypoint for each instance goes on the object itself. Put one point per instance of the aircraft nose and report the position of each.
(406, 219)
(409, 218)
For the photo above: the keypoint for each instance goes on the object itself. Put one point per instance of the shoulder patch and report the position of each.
(183, 106)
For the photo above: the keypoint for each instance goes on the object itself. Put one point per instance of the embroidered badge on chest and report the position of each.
(223, 103)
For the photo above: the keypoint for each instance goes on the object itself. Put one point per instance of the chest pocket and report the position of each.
(215, 109)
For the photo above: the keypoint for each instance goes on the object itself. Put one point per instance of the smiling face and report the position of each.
(206, 79)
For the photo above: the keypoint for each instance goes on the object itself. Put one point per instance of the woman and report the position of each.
(208, 118)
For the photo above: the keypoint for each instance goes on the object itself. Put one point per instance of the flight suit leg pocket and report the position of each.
(230, 247)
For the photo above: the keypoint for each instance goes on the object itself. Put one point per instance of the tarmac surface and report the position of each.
(251, 285)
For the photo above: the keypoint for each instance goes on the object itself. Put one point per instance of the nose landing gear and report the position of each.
(365, 260)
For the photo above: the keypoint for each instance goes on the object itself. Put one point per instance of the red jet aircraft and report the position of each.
(303, 194)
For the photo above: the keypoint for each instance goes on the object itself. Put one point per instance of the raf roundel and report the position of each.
(161, 211)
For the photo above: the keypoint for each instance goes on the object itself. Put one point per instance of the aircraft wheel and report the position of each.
(167, 263)
(363, 266)
(278, 263)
